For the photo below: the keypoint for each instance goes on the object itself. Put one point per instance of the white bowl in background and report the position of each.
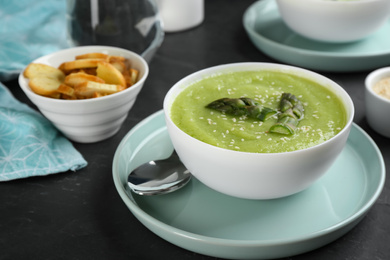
(88, 120)
(180, 15)
(238, 173)
(334, 21)
(377, 106)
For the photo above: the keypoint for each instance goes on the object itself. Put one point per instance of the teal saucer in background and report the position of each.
(270, 35)
(204, 221)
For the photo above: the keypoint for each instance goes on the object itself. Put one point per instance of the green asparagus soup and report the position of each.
(324, 113)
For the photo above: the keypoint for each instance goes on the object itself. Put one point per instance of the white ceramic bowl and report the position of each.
(334, 21)
(256, 175)
(88, 120)
(180, 15)
(377, 107)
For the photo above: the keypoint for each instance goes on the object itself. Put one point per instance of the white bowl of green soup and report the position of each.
(258, 130)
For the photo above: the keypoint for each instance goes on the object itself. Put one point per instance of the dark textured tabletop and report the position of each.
(79, 215)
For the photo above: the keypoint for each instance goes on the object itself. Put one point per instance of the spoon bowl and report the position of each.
(159, 176)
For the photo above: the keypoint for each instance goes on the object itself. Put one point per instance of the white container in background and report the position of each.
(377, 106)
(179, 15)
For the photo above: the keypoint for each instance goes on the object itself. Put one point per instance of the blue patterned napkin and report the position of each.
(29, 144)
(29, 29)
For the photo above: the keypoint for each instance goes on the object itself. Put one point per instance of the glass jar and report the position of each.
(129, 24)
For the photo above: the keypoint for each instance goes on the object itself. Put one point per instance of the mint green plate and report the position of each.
(270, 35)
(207, 222)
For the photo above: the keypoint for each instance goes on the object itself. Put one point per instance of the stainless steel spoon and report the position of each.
(159, 177)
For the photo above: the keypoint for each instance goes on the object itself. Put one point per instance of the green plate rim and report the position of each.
(139, 213)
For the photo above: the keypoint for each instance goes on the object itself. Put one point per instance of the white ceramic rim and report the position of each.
(374, 77)
(23, 82)
(270, 66)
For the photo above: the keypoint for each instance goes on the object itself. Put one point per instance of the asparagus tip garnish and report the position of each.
(242, 106)
(291, 113)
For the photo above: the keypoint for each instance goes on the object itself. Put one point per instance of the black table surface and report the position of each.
(79, 215)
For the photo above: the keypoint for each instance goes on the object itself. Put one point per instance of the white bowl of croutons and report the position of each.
(86, 92)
